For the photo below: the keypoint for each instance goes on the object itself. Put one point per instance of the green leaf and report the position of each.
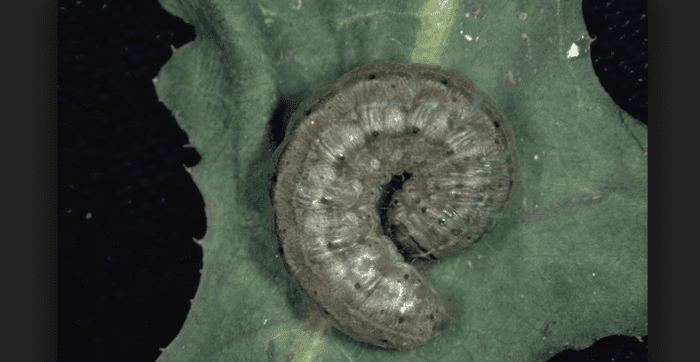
(568, 263)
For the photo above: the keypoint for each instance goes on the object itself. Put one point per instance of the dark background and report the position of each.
(128, 210)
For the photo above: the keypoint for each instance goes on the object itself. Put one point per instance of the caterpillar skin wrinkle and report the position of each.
(390, 159)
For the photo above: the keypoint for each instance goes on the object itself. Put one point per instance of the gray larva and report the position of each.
(344, 146)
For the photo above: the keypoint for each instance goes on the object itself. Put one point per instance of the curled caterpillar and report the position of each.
(390, 160)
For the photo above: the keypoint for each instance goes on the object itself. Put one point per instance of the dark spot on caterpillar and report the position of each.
(372, 188)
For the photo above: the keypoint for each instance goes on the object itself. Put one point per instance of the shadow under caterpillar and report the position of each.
(390, 159)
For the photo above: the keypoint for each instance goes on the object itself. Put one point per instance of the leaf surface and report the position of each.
(566, 265)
